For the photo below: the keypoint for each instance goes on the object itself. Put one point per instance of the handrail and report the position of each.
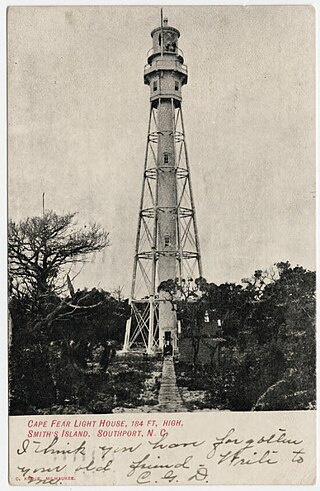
(153, 51)
(162, 63)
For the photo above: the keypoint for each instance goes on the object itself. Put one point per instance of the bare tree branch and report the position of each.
(39, 249)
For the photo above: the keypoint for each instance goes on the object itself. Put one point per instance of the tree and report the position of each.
(189, 299)
(269, 358)
(42, 251)
(67, 344)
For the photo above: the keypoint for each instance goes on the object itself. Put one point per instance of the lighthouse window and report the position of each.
(176, 85)
(166, 240)
(166, 158)
(155, 85)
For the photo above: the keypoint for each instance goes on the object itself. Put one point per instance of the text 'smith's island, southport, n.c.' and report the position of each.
(135, 356)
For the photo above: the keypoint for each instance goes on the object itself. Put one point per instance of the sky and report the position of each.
(78, 114)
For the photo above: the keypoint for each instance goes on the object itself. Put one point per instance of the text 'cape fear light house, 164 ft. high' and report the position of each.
(167, 244)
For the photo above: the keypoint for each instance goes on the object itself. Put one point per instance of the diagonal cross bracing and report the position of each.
(167, 242)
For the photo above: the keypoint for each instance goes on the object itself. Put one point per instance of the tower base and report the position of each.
(144, 334)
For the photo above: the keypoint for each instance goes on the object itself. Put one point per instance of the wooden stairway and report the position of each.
(169, 397)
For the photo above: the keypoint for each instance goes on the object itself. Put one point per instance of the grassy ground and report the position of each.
(136, 381)
(130, 382)
(202, 389)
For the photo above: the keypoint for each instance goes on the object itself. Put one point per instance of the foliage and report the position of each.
(61, 334)
(68, 345)
(191, 304)
(268, 360)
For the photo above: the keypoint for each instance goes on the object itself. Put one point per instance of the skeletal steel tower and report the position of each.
(167, 244)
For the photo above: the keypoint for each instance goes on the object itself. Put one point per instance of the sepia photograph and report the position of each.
(161, 209)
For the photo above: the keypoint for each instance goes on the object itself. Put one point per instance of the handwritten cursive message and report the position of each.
(197, 448)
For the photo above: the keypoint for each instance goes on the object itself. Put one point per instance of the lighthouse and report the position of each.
(167, 242)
